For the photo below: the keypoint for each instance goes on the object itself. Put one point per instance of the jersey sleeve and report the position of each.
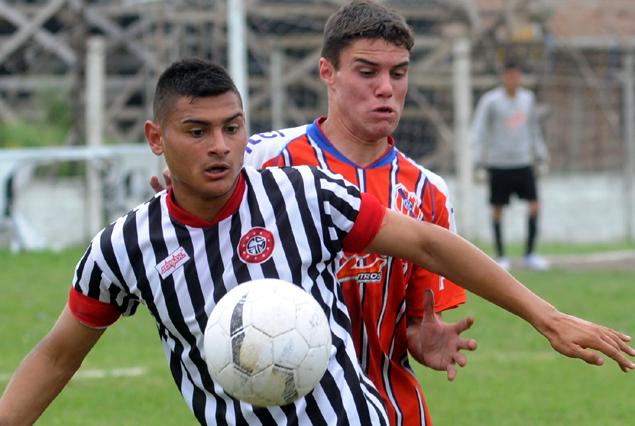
(92, 312)
(97, 299)
(352, 219)
(538, 140)
(447, 295)
(369, 218)
(479, 130)
(264, 149)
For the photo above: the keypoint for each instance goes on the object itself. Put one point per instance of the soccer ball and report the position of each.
(267, 342)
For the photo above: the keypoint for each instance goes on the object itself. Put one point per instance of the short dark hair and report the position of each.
(363, 19)
(192, 77)
(512, 64)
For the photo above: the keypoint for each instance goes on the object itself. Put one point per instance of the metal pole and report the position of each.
(462, 85)
(95, 101)
(237, 50)
(629, 142)
(277, 85)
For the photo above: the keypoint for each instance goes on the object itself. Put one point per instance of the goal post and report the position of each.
(462, 94)
(44, 212)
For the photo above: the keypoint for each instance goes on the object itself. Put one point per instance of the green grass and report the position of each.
(36, 288)
(514, 377)
(516, 249)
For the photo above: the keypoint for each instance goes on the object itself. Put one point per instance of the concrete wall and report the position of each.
(575, 209)
(57, 213)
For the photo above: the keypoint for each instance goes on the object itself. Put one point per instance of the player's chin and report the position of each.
(217, 189)
(382, 128)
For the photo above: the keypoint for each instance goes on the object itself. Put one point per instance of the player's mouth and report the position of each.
(384, 111)
(217, 170)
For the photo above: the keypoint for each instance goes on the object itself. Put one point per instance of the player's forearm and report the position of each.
(46, 370)
(472, 269)
(442, 252)
(32, 388)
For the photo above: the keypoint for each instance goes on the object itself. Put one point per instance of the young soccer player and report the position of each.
(364, 66)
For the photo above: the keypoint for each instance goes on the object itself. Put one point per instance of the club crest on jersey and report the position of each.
(175, 260)
(406, 202)
(256, 245)
(363, 269)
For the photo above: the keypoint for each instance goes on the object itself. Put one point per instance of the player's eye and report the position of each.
(232, 128)
(197, 132)
(399, 73)
(366, 72)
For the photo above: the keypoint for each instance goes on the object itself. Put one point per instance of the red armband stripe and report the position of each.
(369, 219)
(92, 312)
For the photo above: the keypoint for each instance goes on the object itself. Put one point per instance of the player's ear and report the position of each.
(327, 71)
(154, 134)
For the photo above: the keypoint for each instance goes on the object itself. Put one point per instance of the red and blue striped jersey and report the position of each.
(380, 291)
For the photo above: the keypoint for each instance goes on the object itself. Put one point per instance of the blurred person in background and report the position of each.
(509, 150)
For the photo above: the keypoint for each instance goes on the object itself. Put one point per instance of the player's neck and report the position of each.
(195, 208)
(359, 151)
(511, 91)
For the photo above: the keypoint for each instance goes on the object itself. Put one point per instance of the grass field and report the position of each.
(124, 381)
(514, 378)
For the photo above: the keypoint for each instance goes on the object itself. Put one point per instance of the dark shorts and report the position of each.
(505, 182)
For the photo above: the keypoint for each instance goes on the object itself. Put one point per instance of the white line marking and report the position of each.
(98, 373)
(594, 257)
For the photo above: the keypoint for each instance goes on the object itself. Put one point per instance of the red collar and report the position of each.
(196, 222)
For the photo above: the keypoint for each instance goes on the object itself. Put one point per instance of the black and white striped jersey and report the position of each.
(286, 223)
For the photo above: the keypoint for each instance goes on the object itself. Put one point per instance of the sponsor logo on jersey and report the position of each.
(406, 202)
(517, 119)
(364, 269)
(175, 260)
(256, 245)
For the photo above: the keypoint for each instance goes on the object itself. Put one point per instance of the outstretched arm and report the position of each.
(46, 370)
(444, 253)
(437, 344)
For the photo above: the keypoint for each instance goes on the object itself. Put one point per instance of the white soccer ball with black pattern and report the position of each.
(267, 342)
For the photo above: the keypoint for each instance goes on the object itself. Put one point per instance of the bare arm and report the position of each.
(447, 254)
(46, 370)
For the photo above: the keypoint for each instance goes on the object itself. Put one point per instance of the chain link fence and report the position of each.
(579, 86)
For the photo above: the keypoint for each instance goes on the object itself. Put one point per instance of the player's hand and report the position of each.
(574, 337)
(437, 344)
(542, 168)
(156, 184)
(480, 174)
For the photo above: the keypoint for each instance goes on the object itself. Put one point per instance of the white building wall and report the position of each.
(575, 209)
(55, 213)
